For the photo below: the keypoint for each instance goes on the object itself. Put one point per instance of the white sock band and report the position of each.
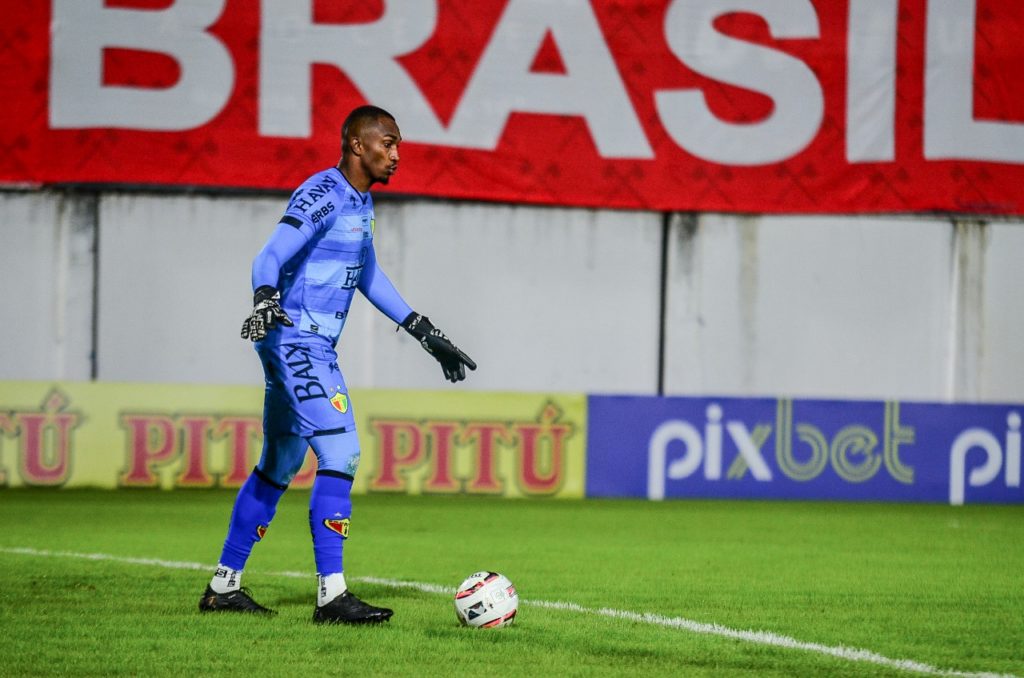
(330, 587)
(226, 580)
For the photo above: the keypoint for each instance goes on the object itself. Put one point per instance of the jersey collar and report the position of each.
(362, 196)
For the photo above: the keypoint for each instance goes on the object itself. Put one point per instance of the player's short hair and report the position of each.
(359, 117)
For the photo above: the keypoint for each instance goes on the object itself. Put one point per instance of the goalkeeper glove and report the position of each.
(266, 313)
(453, 361)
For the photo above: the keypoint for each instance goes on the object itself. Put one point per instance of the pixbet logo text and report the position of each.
(855, 452)
(985, 441)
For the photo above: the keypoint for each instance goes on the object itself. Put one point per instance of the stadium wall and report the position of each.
(151, 287)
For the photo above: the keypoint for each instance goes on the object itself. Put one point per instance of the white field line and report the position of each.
(756, 637)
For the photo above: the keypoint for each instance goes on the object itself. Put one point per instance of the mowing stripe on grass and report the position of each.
(756, 637)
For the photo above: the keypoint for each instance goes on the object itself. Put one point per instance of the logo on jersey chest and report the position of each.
(354, 272)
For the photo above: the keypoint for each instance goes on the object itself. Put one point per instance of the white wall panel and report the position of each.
(1002, 345)
(808, 306)
(543, 298)
(174, 286)
(46, 272)
(540, 298)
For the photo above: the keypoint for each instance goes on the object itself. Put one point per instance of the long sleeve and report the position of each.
(377, 287)
(283, 244)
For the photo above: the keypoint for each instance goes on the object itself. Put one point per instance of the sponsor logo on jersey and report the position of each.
(339, 525)
(297, 358)
(321, 213)
(352, 274)
(303, 199)
(355, 271)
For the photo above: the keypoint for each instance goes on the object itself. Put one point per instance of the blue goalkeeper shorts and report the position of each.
(306, 394)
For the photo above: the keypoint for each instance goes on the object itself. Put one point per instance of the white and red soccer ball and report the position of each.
(486, 600)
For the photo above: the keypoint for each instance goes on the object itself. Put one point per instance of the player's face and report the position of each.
(380, 150)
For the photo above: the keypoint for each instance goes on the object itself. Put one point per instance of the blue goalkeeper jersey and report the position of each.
(317, 283)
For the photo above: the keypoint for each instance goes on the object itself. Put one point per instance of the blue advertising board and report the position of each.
(675, 447)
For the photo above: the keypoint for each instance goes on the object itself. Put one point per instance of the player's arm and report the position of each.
(283, 244)
(380, 291)
(377, 287)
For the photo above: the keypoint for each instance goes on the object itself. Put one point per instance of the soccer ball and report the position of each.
(486, 600)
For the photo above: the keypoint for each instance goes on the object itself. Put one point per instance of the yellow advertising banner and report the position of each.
(71, 434)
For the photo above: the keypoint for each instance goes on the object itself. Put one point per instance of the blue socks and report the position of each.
(330, 506)
(254, 508)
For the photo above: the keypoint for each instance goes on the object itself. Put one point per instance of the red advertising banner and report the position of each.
(727, 105)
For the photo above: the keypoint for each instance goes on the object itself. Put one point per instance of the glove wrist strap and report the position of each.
(417, 325)
(264, 292)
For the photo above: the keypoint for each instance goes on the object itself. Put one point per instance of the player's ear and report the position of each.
(355, 144)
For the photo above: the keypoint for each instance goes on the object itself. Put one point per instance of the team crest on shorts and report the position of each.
(337, 525)
(340, 402)
(261, 530)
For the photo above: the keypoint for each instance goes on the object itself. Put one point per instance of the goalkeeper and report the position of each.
(304, 279)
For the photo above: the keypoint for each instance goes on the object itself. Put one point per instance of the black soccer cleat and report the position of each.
(347, 609)
(234, 601)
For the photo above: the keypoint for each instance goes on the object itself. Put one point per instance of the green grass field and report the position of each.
(674, 588)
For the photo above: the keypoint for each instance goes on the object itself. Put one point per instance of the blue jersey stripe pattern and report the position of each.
(320, 254)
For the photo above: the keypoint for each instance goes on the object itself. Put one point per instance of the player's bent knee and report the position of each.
(337, 452)
(282, 458)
